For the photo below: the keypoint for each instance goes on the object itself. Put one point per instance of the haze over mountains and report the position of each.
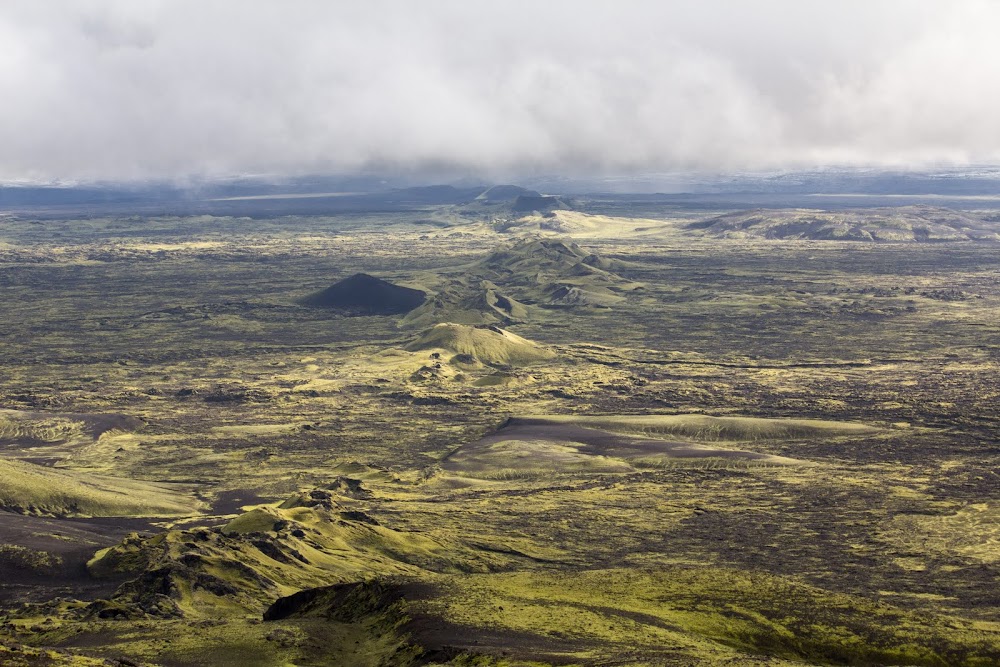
(121, 91)
(267, 196)
(908, 223)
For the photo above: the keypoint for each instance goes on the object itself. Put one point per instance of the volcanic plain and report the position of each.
(522, 430)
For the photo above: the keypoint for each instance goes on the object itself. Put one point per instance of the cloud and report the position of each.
(134, 89)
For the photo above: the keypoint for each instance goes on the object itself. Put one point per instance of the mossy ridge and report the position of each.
(533, 447)
(25, 429)
(518, 281)
(542, 270)
(973, 532)
(269, 552)
(14, 654)
(708, 612)
(362, 632)
(925, 224)
(470, 302)
(386, 612)
(224, 642)
(54, 438)
(33, 489)
(710, 428)
(673, 615)
(24, 558)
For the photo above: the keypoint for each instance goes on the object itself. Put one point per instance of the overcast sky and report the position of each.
(136, 89)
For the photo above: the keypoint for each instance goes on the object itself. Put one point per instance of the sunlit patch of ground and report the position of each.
(657, 510)
(533, 446)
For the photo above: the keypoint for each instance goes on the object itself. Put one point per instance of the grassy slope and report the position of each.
(705, 427)
(490, 346)
(35, 489)
(711, 614)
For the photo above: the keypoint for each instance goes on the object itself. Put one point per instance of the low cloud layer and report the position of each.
(132, 89)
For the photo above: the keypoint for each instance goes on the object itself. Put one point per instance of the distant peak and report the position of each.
(505, 194)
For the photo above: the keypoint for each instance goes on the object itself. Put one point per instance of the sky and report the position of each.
(127, 90)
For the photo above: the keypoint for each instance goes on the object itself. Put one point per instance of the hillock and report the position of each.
(487, 345)
(922, 224)
(363, 294)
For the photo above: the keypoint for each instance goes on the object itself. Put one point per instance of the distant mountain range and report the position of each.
(262, 196)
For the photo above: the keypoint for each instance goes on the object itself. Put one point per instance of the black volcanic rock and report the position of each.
(363, 294)
(347, 603)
